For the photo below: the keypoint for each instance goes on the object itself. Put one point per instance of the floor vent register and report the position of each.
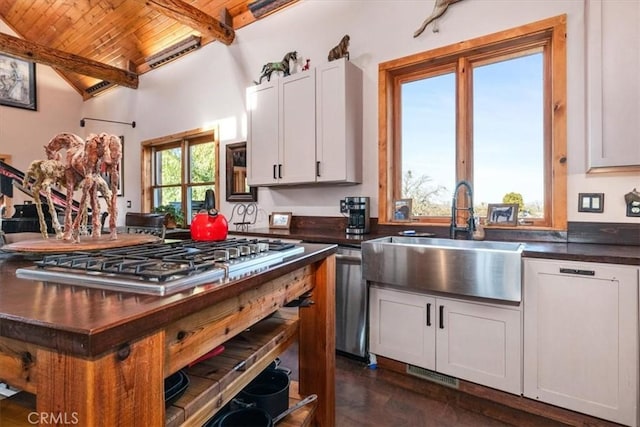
(433, 376)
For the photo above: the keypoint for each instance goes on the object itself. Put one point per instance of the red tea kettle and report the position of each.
(209, 224)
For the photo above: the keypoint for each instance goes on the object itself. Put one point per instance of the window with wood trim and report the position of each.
(177, 171)
(490, 111)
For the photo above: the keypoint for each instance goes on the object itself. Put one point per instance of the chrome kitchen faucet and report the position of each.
(471, 226)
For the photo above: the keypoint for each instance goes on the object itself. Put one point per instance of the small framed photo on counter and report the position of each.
(280, 220)
(502, 214)
(402, 210)
(591, 202)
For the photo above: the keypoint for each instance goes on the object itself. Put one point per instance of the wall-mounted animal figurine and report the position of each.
(439, 8)
(340, 51)
(282, 66)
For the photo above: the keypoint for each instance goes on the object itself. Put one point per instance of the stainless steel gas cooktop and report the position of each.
(161, 268)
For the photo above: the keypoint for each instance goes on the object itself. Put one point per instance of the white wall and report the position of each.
(207, 87)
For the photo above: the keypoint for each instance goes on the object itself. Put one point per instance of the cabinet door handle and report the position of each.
(577, 271)
(317, 168)
(274, 172)
(442, 317)
(428, 314)
(280, 171)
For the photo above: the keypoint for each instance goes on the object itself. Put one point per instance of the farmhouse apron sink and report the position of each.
(482, 269)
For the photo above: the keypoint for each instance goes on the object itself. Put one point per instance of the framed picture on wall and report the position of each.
(17, 82)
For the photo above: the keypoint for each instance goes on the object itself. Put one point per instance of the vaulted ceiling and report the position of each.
(95, 44)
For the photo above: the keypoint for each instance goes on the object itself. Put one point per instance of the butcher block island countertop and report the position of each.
(100, 357)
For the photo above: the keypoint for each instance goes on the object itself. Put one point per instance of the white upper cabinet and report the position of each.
(281, 131)
(339, 122)
(297, 125)
(307, 127)
(262, 131)
(613, 83)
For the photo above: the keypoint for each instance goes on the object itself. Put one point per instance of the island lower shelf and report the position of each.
(213, 382)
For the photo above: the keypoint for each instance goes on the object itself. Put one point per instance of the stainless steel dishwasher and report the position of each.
(351, 304)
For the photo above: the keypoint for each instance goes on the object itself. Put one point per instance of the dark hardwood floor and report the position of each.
(381, 397)
(366, 397)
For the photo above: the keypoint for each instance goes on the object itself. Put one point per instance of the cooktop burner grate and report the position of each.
(161, 267)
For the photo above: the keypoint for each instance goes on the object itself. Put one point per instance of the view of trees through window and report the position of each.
(507, 148)
(182, 173)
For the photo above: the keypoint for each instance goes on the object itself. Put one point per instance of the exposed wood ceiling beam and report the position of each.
(66, 61)
(194, 18)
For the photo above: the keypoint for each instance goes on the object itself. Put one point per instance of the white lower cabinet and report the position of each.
(474, 341)
(581, 337)
(402, 326)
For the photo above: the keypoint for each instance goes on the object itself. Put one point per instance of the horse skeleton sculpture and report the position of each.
(282, 66)
(84, 163)
(439, 8)
(102, 153)
(41, 176)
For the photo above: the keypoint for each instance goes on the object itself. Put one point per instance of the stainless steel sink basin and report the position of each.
(485, 269)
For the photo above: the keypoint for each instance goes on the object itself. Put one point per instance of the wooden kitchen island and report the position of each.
(99, 358)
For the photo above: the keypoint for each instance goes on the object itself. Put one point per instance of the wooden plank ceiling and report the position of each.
(95, 44)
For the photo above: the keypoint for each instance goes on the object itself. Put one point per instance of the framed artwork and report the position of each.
(591, 202)
(402, 210)
(502, 214)
(280, 220)
(237, 188)
(106, 176)
(17, 82)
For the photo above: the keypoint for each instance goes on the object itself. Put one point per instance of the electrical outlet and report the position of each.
(128, 203)
(343, 206)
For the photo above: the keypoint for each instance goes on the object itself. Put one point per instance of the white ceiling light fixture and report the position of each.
(173, 52)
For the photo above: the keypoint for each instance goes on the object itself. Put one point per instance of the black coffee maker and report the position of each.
(357, 209)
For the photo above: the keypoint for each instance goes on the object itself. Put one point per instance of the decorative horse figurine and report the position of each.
(282, 66)
(341, 50)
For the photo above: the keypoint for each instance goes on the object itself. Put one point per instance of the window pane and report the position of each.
(167, 196)
(429, 144)
(168, 166)
(196, 198)
(508, 138)
(202, 162)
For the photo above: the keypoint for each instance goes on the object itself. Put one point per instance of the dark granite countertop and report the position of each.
(87, 321)
(586, 252)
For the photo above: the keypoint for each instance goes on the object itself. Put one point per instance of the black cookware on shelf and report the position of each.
(174, 386)
(257, 417)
